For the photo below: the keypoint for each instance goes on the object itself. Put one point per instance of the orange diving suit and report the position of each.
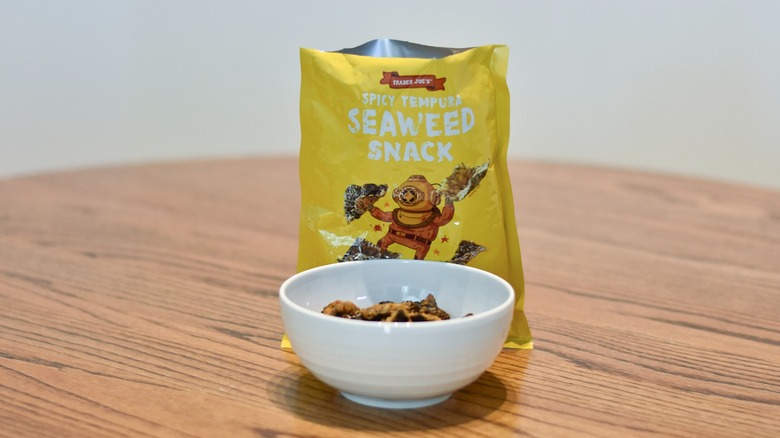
(416, 222)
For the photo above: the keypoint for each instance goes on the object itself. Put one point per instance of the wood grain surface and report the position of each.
(142, 301)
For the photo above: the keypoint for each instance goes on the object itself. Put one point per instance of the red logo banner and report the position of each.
(429, 82)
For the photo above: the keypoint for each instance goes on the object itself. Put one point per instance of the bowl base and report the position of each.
(395, 404)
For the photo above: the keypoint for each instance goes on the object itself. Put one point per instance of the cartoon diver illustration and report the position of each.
(416, 221)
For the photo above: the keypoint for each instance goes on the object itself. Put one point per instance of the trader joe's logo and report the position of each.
(429, 82)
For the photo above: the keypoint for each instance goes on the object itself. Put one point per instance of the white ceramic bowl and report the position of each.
(391, 364)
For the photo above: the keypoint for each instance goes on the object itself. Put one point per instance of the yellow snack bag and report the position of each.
(403, 155)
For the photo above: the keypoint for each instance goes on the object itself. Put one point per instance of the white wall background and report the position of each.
(682, 86)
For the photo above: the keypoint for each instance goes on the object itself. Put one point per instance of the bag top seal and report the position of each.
(389, 48)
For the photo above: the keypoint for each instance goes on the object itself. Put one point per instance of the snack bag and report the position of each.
(403, 155)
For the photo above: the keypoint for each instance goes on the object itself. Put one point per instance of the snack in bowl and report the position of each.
(397, 364)
(389, 311)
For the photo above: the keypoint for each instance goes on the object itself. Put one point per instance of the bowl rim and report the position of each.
(410, 325)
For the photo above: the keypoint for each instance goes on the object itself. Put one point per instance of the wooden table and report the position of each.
(142, 300)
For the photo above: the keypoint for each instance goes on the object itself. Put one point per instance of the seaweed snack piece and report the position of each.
(388, 311)
(462, 181)
(466, 251)
(428, 306)
(342, 309)
(360, 199)
(362, 249)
